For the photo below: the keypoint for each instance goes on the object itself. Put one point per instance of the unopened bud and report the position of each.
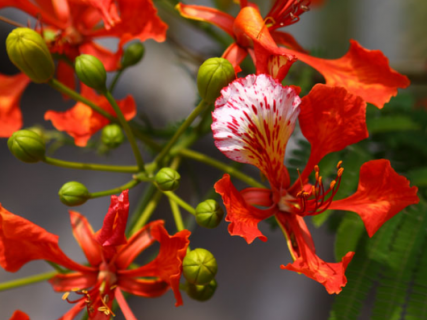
(112, 136)
(133, 54)
(214, 74)
(27, 146)
(199, 266)
(73, 194)
(201, 293)
(28, 51)
(167, 179)
(91, 72)
(209, 214)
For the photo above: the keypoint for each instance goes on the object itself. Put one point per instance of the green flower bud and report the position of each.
(73, 194)
(214, 74)
(112, 136)
(199, 266)
(201, 293)
(91, 72)
(167, 179)
(28, 51)
(133, 54)
(209, 214)
(27, 146)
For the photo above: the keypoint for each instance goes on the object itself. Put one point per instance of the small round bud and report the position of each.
(28, 51)
(112, 136)
(167, 179)
(73, 194)
(91, 71)
(209, 214)
(133, 54)
(201, 293)
(199, 266)
(214, 74)
(27, 146)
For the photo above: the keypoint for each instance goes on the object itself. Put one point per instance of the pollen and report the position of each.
(65, 296)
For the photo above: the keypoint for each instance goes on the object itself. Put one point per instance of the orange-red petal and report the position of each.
(331, 119)
(207, 14)
(11, 89)
(243, 217)
(235, 54)
(287, 40)
(381, 194)
(362, 72)
(330, 275)
(19, 315)
(70, 281)
(22, 241)
(81, 122)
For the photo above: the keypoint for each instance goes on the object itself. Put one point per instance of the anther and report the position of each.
(332, 185)
(339, 164)
(113, 287)
(304, 8)
(340, 171)
(65, 296)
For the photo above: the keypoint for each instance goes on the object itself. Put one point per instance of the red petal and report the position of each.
(330, 275)
(381, 194)
(235, 55)
(85, 237)
(168, 263)
(22, 241)
(206, 14)
(11, 89)
(143, 287)
(55, 8)
(287, 40)
(243, 217)
(105, 9)
(135, 245)
(362, 72)
(110, 60)
(68, 282)
(74, 311)
(138, 19)
(65, 74)
(19, 315)
(81, 122)
(113, 229)
(331, 119)
(127, 312)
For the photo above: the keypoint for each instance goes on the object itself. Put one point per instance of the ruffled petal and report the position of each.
(56, 8)
(113, 229)
(287, 40)
(11, 89)
(19, 315)
(252, 122)
(70, 281)
(330, 275)
(85, 237)
(331, 119)
(138, 19)
(216, 17)
(243, 217)
(168, 264)
(143, 287)
(105, 9)
(135, 245)
(22, 241)
(362, 72)
(81, 122)
(381, 194)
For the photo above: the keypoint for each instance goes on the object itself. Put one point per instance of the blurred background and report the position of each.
(251, 284)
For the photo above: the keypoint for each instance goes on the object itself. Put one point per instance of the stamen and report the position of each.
(65, 296)
(266, 25)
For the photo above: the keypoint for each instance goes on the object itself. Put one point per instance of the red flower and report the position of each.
(19, 315)
(109, 256)
(81, 122)
(362, 72)
(73, 26)
(253, 120)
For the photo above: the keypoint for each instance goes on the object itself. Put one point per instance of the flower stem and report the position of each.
(146, 214)
(90, 166)
(176, 215)
(193, 115)
(105, 193)
(56, 267)
(26, 281)
(127, 130)
(115, 80)
(221, 166)
(146, 197)
(171, 195)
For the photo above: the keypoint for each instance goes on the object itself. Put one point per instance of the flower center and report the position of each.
(286, 12)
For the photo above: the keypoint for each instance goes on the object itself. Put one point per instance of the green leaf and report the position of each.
(320, 219)
(349, 233)
(391, 123)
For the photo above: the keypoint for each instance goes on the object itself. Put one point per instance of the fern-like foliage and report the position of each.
(403, 257)
(362, 272)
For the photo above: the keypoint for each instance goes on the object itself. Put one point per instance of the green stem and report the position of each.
(193, 115)
(75, 96)
(221, 166)
(56, 267)
(115, 80)
(176, 215)
(90, 166)
(127, 130)
(171, 195)
(148, 211)
(105, 193)
(143, 201)
(28, 280)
